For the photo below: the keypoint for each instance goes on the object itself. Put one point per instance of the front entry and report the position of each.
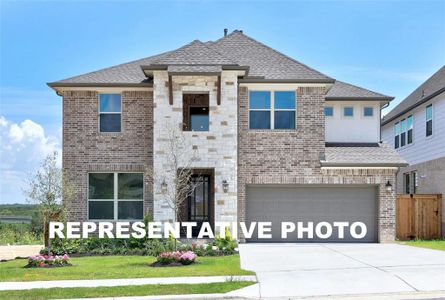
(199, 201)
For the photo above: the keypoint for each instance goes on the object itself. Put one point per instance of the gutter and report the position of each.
(383, 98)
(263, 80)
(73, 84)
(383, 165)
(425, 99)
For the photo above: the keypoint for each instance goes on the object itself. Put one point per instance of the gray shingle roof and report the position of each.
(233, 49)
(343, 90)
(195, 53)
(263, 60)
(433, 85)
(381, 155)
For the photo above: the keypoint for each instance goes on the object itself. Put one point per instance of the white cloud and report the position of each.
(22, 148)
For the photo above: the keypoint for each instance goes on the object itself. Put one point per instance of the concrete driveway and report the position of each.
(285, 270)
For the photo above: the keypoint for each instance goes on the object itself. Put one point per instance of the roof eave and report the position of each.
(374, 165)
(418, 103)
(264, 80)
(59, 84)
(337, 98)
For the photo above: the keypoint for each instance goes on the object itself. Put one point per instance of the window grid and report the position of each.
(272, 110)
(115, 199)
(429, 120)
(101, 113)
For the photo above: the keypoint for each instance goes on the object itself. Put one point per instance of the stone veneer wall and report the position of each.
(85, 149)
(215, 149)
(293, 157)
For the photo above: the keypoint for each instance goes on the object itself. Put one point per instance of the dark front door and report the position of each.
(198, 201)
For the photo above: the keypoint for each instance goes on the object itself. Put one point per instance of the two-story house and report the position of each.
(416, 129)
(272, 140)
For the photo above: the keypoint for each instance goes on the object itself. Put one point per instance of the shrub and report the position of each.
(42, 261)
(185, 258)
(18, 234)
(225, 244)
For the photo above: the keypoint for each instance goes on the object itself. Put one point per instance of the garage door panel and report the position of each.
(313, 204)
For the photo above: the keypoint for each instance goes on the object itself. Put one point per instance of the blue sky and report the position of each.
(387, 46)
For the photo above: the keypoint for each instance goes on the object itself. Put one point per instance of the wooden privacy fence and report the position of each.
(418, 216)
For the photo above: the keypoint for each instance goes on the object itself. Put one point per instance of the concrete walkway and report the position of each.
(26, 285)
(299, 270)
(11, 252)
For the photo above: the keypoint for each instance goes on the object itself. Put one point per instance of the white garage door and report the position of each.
(313, 204)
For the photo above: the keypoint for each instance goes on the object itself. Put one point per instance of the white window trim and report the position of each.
(109, 113)
(363, 111)
(115, 197)
(432, 121)
(324, 112)
(404, 131)
(343, 112)
(272, 109)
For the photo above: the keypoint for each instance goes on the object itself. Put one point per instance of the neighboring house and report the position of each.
(275, 140)
(416, 129)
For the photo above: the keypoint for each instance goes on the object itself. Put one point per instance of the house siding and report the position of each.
(85, 149)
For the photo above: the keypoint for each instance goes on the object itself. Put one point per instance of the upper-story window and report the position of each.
(368, 111)
(348, 111)
(329, 111)
(110, 111)
(196, 112)
(403, 132)
(429, 120)
(272, 110)
(115, 196)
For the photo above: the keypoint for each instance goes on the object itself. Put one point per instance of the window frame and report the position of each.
(115, 199)
(324, 110)
(404, 132)
(189, 125)
(109, 113)
(272, 109)
(372, 111)
(343, 111)
(429, 120)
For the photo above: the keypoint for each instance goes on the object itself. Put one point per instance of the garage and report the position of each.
(276, 204)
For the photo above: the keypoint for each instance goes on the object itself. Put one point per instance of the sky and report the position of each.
(389, 47)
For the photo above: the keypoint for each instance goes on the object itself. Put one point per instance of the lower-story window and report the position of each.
(115, 196)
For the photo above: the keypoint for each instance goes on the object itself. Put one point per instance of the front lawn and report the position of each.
(433, 244)
(133, 290)
(102, 267)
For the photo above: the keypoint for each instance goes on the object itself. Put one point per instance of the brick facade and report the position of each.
(293, 157)
(85, 149)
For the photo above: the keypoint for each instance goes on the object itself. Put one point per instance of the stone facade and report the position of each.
(85, 149)
(214, 149)
(293, 157)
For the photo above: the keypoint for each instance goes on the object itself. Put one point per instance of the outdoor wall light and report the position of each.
(225, 186)
(388, 187)
(164, 187)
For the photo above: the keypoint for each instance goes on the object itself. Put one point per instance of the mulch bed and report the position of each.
(157, 264)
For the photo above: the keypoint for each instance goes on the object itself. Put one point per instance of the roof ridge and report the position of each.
(274, 50)
(201, 44)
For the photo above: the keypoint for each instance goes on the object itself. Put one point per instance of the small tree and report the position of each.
(46, 188)
(174, 180)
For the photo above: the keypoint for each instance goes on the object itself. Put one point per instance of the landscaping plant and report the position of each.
(182, 257)
(45, 261)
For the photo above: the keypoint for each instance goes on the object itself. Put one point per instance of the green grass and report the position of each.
(100, 267)
(432, 244)
(134, 290)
